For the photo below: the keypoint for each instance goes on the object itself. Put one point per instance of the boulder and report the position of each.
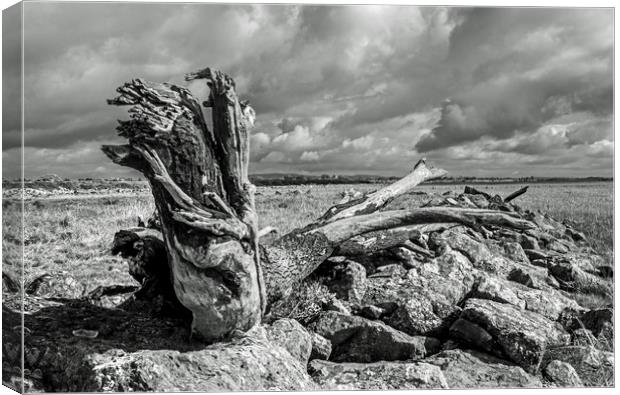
(290, 335)
(426, 298)
(472, 369)
(522, 335)
(594, 367)
(459, 241)
(549, 302)
(376, 376)
(321, 347)
(356, 339)
(248, 364)
(562, 374)
(573, 278)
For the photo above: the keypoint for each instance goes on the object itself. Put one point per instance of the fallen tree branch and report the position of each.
(376, 200)
(339, 231)
(515, 194)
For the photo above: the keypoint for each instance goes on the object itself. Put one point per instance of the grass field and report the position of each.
(70, 238)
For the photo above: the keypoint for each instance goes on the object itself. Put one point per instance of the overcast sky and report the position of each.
(349, 89)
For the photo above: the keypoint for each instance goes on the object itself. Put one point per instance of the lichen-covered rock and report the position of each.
(472, 369)
(549, 302)
(522, 335)
(426, 298)
(495, 289)
(321, 347)
(572, 278)
(376, 376)
(249, 364)
(594, 367)
(348, 281)
(562, 374)
(459, 241)
(290, 335)
(514, 251)
(356, 339)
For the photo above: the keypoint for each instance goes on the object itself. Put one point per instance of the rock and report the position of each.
(371, 312)
(557, 246)
(572, 278)
(479, 200)
(514, 251)
(473, 334)
(549, 302)
(356, 339)
(492, 288)
(472, 369)
(335, 304)
(290, 335)
(389, 271)
(523, 277)
(459, 241)
(594, 367)
(534, 254)
(321, 347)
(522, 335)
(249, 364)
(528, 242)
(427, 297)
(376, 376)
(562, 374)
(582, 337)
(348, 281)
(598, 320)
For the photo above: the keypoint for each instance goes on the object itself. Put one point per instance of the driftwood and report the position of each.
(206, 207)
(204, 199)
(515, 194)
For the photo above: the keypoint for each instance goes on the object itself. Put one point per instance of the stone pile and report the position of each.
(476, 306)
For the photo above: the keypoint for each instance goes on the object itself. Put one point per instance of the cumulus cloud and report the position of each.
(337, 89)
(535, 66)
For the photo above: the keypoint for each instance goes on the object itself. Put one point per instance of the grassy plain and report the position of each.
(70, 238)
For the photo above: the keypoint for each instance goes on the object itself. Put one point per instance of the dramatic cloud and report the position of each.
(337, 89)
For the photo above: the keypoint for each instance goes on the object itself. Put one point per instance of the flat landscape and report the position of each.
(69, 236)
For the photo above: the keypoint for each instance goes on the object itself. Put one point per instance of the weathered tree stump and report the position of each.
(206, 206)
(204, 199)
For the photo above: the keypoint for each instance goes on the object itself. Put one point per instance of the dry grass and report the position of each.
(72, 237)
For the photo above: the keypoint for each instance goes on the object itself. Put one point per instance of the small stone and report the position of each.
(321, 347)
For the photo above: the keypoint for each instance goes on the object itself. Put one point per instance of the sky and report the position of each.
(337, 89)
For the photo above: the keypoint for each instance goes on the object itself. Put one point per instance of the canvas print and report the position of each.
(266, 197)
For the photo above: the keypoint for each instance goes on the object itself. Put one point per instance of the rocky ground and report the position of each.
(473, 306)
